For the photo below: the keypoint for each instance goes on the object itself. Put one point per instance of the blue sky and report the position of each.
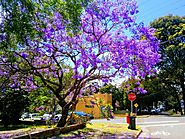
(150, 10)
(153, 9)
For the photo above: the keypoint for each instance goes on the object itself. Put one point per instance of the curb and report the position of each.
(138, 116)
(139, 134)
(143, 116)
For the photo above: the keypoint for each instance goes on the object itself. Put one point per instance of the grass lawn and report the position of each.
(173, 113)
(92, 130)
(104, 130)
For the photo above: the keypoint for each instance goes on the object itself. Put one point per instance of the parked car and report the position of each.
(81, 113)
(30, 116)
(143, 111)
(25, 115)
(155, 110)
(57, 117)
(46, 117)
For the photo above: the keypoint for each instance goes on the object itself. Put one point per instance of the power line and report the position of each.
(159, 8)
(174, 9)
(153, 10)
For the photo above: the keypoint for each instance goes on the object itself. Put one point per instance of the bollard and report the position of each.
(128, 119)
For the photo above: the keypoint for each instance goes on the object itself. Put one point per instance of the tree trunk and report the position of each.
(5, 121)
(63, 119)
(183, 91)
(183, 95)
(179, 105)
(113, 105)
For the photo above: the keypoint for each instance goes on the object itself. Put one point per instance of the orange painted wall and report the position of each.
(84, 104)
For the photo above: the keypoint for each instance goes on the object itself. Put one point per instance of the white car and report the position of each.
(57, 117)
(155, 111)
(30, 116)
(46, 116)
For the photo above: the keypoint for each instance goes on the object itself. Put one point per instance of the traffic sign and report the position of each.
(131, 96)
(136, 105)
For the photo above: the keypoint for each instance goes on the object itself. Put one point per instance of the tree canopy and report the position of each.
(20, 19)
(100, 50)
(170, 30)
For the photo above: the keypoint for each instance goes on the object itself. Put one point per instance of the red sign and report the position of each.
(131, 96)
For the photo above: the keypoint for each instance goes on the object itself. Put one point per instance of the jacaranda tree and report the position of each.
(102, 49)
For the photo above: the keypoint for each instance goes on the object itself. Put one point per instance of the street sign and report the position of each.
(131, 96)
(136, 105)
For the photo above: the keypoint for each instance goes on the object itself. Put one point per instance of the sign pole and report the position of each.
(131, 97)
(131, 108)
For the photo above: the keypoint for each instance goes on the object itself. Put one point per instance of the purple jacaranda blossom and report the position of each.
(137, 84)
(127, 85)
(40, 108)
(24, 55)
(105, 80)
(2, 37)
(4, 90)
(23, 9)
(12, 85)
(135, 90)
(144, 92)
(100, 50)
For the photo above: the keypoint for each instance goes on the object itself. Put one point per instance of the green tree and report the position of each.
(117, 95)
(160, 89)
(170, 30)
(16, 22)
(13, 103)
(133, 85)
(156, 91)
(22, 19)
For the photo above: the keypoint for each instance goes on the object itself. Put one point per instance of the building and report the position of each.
(94, 104)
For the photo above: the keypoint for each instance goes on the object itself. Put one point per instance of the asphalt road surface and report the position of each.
(162, 127)
(157, 126)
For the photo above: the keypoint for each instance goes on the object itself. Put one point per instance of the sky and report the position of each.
(150, 10)
(153, 9)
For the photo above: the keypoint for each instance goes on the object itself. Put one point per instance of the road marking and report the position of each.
(157, 122)
(164, 124)
(160, 133)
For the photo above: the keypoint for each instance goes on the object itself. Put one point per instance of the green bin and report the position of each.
(132, 124)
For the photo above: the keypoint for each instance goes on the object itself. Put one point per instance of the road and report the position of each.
(157, 126)
(162, 127)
